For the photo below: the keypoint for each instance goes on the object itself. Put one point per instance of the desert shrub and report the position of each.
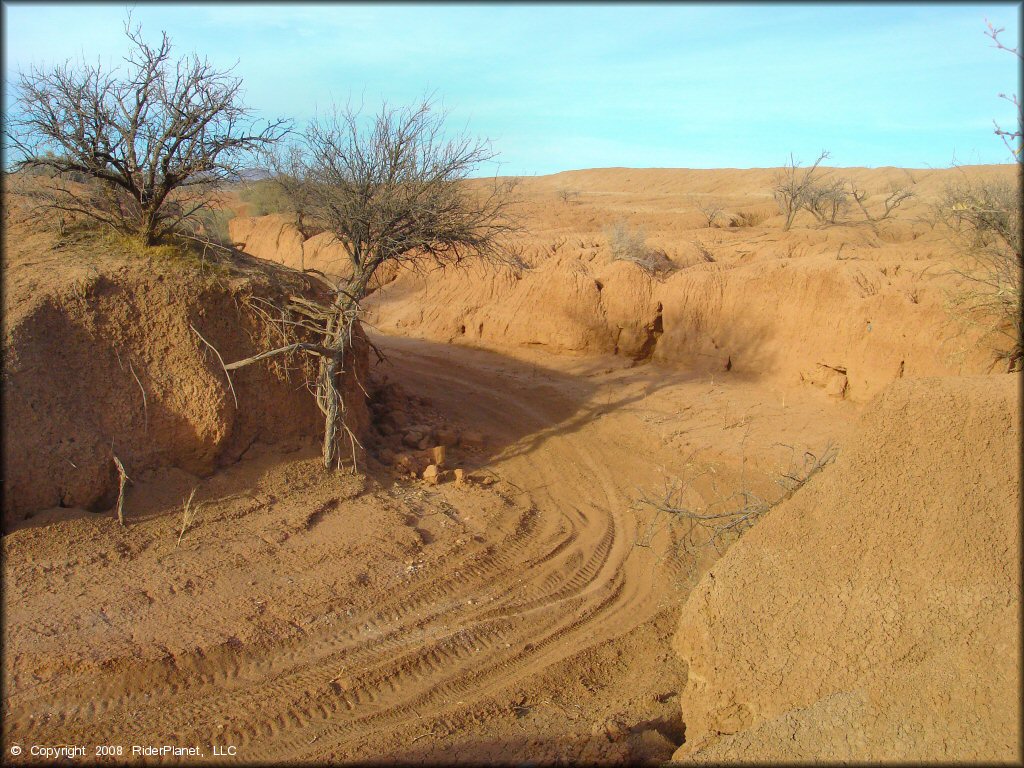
(630, 244)
(984, 219)
(213, 225)
(750, 218)
(265, 197)
(792, 185)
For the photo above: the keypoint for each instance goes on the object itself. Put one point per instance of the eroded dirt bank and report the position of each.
(848, 307)
(104, 356)
(874, 616)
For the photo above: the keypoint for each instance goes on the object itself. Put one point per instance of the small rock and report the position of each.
(412, 438)
(438, 453)
(431, 475)
(460, 478)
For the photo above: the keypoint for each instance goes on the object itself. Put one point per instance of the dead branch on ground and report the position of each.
(186, 516)
(727, 517)
(123, 480)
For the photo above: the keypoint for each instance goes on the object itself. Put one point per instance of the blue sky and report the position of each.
(582, 86)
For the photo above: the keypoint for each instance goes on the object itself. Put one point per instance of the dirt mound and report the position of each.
(100, 360)
(875, 615)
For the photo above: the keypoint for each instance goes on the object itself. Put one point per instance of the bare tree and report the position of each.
(791, 186)
(569, 196)
(896, 196)
(827, 200)
(151, 141)
(711, 210)
(391, 190)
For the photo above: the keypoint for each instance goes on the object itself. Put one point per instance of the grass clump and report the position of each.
(984, 219)
(630, 244)
(265, 197)
(753, 218)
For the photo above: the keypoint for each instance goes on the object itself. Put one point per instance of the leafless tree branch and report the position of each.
(139, 147)
(791, 187)
(393, 190)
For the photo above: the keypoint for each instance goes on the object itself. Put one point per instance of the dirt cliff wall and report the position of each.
(875, 615)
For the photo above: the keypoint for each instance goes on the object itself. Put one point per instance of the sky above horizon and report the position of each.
(583, 86)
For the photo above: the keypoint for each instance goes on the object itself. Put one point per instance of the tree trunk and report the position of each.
(338, 333)
(330, 405)
(149, 228)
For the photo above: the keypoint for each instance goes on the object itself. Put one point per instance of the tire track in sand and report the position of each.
(565, 578)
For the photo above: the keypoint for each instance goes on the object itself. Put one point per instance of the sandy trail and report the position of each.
(567, 576)
(553, 572)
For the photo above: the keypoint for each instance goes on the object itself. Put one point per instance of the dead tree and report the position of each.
(711, 210)
(151, 141)
(1012, 139)
(569, 196)
(894, 199)
(791, 187)
(391, 190)
(727, 517)
(827, 201)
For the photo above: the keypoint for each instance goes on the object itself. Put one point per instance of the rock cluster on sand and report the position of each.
(415, 440)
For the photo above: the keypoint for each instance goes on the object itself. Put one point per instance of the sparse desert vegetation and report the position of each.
(324, 443)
